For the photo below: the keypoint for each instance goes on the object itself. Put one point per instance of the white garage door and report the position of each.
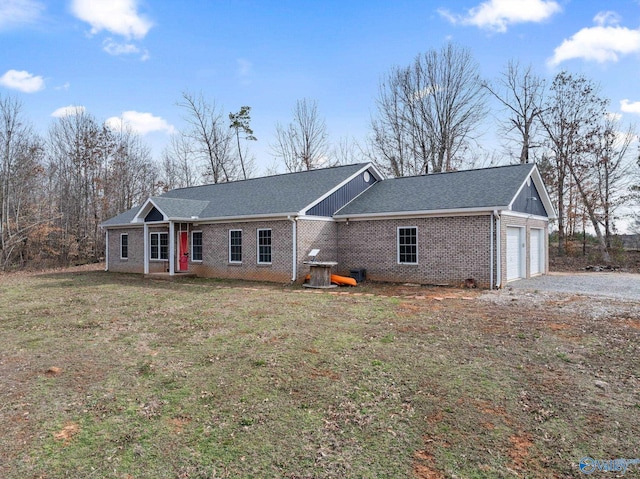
(514, 253)
(537, 252)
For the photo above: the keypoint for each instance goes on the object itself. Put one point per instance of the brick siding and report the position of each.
(450, 250)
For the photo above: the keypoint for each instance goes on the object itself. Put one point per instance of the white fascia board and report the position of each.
(222, 219)
(328, 219)
(517, 214)
(340, 185)
(120, 225)
(239, 219)
(487, 210)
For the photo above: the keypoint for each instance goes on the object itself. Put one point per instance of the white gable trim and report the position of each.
(145, 209)
(534, 175)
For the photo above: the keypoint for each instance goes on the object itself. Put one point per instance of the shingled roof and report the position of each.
(482, 189)
(276, 195)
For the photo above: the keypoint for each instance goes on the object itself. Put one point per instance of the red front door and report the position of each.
(183, 262)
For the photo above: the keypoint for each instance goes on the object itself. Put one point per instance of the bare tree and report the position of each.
(177, 164)
(240, 125)
(210, 137)
(23, 213)
(129, 173)
(391, 141)
(348, 151)
(611, 167)
(520, 91)
(302, 145)
(428, 112)
(571, 120)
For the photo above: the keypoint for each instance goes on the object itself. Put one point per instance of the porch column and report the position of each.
(106, 250)
(172, 248)
(145, 241)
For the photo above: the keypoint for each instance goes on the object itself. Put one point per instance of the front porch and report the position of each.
(166, 276)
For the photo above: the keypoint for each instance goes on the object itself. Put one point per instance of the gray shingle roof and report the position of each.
(485, 188)
(178, 207)
(270, 195)
(122, 218)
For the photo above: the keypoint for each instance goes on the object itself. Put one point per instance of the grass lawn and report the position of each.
(113, 376)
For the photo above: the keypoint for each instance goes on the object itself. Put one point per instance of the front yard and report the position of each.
(107, 375)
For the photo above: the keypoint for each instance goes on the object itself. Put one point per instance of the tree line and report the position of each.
(56, 189)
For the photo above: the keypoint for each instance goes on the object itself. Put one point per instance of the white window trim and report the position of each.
(158, 233)
(229, 247)
(124, 257)
(258, 246)
(398, 244)
(201, 245)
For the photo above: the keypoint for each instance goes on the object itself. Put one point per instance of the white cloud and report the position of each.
(607, 18)
(115, 48)
(64, 87)
(119, 17)
(19, 12)
(22, 80)
(71, 110)
(603, 43)
(139, 122)
(497, 15)
(630, 107)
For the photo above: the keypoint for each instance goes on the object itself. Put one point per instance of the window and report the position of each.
(124, 246)
(196, 246)
(264, 246)
(408, 245)
(159, 245)
(235, 246)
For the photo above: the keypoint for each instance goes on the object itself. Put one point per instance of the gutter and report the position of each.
(419, 213)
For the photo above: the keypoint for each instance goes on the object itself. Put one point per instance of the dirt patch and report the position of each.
(519, 452)
(53, 371)
(67, 433)
(423, 466)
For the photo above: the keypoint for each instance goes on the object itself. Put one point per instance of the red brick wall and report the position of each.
(135, 262)
(450, 250)
(215, 252)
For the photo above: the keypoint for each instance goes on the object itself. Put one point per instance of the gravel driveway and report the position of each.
(614, 285)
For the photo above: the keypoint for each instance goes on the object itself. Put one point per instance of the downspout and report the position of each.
(145, 241)
(491, 254)
(294, 233)
(106, 250)
(498, 251)
(172, 248)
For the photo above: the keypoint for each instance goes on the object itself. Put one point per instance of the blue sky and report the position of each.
(132, 59)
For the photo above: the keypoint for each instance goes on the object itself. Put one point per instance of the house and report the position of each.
(489, 224)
